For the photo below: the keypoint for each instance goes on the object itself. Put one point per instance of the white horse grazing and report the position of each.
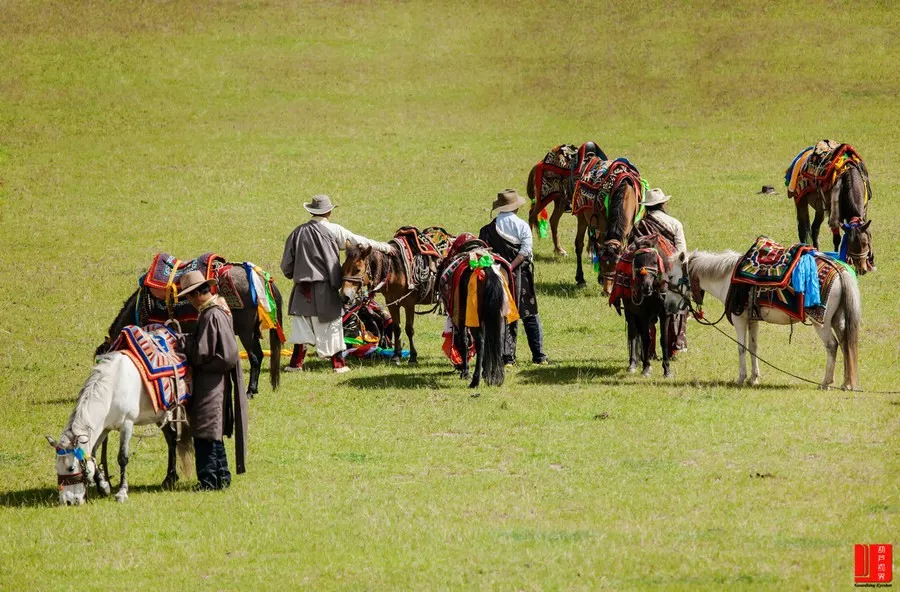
(113, 398)
(712, 272)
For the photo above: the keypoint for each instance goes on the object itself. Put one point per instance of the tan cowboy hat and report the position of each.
(656, 196)
(508, 200)
(193, 280)
(320, 204)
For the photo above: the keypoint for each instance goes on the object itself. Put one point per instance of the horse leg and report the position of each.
(460, 340)
(255, 356)
(740, 329)
(410, 331)
(101, 476)
(398, 345)
(826, 334)
(802, 220)
(124, 441)
(754, 360)
(168, 431)
(632, 342)
(476, 376)
(816, 224)
(558, 211)
(646, 343)
(579, 247)
(664, 343)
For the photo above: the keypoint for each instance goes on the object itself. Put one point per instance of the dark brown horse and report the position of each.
(845, 200)
(365, 268)
(246, 327)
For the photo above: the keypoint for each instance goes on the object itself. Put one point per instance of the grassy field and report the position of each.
(130, 128)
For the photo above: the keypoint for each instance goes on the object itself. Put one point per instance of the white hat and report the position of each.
(656, 196)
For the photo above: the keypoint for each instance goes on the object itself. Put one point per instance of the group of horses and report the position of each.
(114, 397)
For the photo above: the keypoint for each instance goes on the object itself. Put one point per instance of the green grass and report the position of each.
(126, 129)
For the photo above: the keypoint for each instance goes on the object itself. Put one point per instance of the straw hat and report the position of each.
(193, 280)
(320, 205)
(656, 196)
(508, 200)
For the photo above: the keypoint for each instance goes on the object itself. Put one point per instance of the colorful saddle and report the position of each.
(625, 272)
(817, 168)
(166, 270)
(422, 253)
(600, 180)
(163, 369)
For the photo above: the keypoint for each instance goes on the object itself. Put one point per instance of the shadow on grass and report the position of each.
(617, 376)
(399, 380)
(565, 289)
(567, 374)
(49, 496)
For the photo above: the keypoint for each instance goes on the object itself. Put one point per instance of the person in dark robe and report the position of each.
(510, 237)
(212, 354)
(312, 261)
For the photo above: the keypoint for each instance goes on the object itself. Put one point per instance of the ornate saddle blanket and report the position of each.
(164, 370)
(796, 280)
(600, 180)
(166, 270)
(624, 278)
(817, 168)
(459, 284)
(421, 253)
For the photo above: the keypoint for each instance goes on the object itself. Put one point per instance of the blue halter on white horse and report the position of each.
(113, 398)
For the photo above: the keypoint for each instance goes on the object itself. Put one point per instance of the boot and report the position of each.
(296, 363)
(338, 363)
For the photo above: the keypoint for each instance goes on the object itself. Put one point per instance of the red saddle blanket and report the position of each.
(421, 253)
(166, 270)
(163, 369)
(768, 264)
(624, 278)
(600, 180)
(816, 169)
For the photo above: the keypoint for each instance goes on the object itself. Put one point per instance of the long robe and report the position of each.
(212, 353)
(311, 259)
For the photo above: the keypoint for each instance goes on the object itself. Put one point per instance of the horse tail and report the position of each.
(533, 211)
(275, 342)
(184, 448)
(490, 311)
(852, 305)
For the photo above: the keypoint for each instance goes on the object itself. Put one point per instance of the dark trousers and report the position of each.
(212, 464)
(535, 336)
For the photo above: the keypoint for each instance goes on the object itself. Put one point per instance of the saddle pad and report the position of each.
(164, 370)
(166, 269)
(418, 242)
(553, 174)
(225, 287)
(817, 168)
(768, 264)
(600, 180)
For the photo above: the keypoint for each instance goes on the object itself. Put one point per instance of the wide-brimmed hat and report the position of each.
(767, 190)
(193, 280)
(656, 196)
(508, 200)
(320, 204)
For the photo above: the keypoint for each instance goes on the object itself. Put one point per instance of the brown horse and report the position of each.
(557, 184)
(385, 274)
(613, 219)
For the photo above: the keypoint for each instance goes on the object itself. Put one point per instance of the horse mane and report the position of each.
(122, 319)
(615, 217)
(705, 264)
(97, 391)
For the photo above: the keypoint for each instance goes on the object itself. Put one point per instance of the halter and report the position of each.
(659, 283)
(845, 253)
(361, 279)
(82, 457)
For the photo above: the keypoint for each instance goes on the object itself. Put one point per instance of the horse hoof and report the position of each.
(412, 362)
(395, 361)
(103, 489)
(669, 374)
(754, 381)
(646, 372)
(562, 253)
(632, 369)
(824, 387)
(169, 483)
(121, 497)
(739, 382)
(580, 283)
(251, 394)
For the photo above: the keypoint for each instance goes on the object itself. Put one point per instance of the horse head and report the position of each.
(648, 273)
(859, 245)
(356, 274)
(609, 254)
(679, 287)
(74, 468)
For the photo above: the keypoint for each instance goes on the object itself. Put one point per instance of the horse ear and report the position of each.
(366, 251)
(348, 244)
(865, 226)
(51, 441)
(682, 257)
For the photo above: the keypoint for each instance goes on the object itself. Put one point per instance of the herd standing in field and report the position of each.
(166, 354)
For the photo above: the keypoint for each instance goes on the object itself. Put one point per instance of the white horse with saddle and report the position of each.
(837, 319)
(116, 397)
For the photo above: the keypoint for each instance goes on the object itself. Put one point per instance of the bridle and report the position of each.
(863, 256)
(366, 277)
(659, 281)
(82, 457)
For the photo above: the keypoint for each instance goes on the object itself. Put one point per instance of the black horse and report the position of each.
(645, 306)
(246, 327)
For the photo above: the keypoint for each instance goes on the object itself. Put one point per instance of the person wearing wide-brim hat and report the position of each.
(510, 237)
(656, 203)
(212, 354)
(311, 259)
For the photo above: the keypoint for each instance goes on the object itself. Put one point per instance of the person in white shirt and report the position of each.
(658, 217)
(312, 261)
(510, 237)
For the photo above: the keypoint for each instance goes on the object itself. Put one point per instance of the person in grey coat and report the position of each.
(312, 260)
(212, 354)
